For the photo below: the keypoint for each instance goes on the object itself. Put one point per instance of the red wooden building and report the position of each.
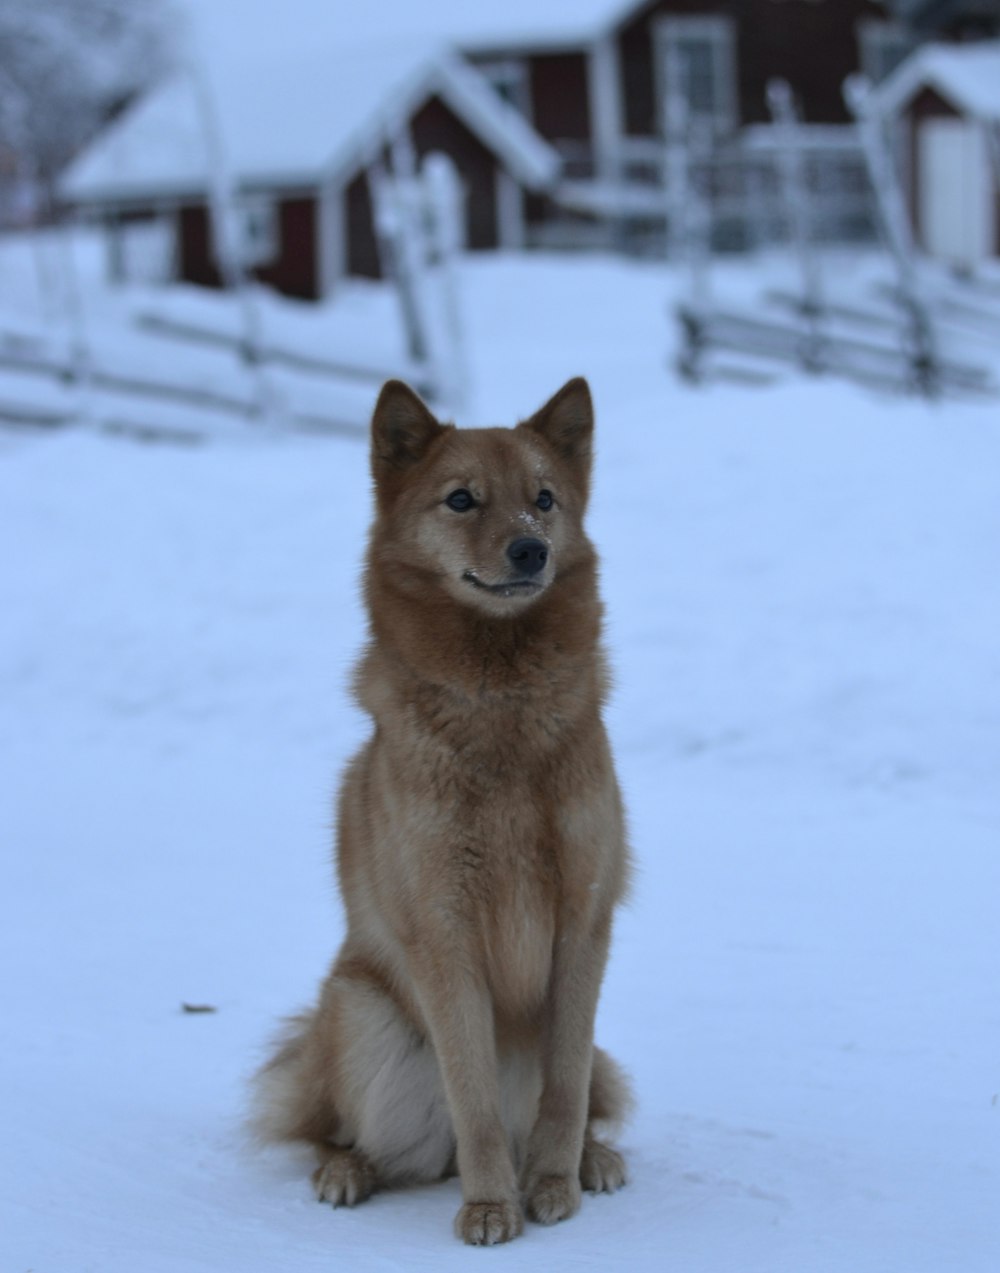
(294, 141)
(554, 118)
(598, 94)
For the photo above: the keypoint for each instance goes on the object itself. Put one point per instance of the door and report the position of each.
(956, 190)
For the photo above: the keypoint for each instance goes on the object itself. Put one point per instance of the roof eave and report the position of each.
(188, 191)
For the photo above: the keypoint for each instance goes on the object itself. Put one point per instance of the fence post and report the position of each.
(796, 197)
(896, 234)
(224, 214)
(446, 224)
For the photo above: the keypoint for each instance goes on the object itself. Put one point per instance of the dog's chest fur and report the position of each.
(509, 787)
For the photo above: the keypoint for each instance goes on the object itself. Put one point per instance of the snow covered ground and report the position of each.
(804, 617)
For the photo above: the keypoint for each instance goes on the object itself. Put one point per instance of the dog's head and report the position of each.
(492, 516)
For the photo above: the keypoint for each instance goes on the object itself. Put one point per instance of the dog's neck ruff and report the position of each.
(432, 639)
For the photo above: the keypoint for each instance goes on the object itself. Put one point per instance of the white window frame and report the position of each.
(720, 32)
(511, 80)
(147, 248)
(258, 229)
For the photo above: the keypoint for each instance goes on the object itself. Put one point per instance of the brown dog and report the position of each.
(481, 847)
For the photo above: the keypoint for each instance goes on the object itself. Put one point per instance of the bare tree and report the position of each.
(66, 66)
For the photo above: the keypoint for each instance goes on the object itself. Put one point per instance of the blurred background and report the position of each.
(160, 144)
(769, 235)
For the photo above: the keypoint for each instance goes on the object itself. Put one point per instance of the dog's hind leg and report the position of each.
(391, 1090)
(297, 1100)
(344, 1177)
(357, 1081)
(602, 1169)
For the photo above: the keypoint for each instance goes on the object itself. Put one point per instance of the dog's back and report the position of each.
(480, 838)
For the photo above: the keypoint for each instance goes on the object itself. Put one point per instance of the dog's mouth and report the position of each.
(511, 588)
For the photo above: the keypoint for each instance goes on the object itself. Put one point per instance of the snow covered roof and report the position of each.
(293, 120)
(513, 24)
(478, 27)
(965, 75)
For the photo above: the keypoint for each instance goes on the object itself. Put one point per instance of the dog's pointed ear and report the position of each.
(566, 422)
(403, 430)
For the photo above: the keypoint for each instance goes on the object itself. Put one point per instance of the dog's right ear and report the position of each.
(403, 430)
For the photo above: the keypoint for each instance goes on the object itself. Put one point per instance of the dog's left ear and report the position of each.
(566, 423)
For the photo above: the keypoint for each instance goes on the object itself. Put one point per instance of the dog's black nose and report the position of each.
(528, 556)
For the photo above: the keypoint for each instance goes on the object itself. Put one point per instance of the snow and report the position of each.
(803, 619)
(126, 332)
(293, 120)
(967, 75)
(516, 23)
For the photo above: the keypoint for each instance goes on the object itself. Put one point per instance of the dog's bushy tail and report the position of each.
(291, 1098)
(611, 1098)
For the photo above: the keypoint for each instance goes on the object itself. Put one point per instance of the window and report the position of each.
(883, 46)
(509, 76)
(700, 53)
(147, 249)
(259, 236)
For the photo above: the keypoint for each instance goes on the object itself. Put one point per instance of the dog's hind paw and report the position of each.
(553, 1198)
(488, 1223)
(602, 1169)
(345, 1178)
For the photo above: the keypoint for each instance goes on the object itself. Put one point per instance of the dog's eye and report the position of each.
(544, 501)
(460, 501)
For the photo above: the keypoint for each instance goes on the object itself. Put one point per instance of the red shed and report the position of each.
(944, 104)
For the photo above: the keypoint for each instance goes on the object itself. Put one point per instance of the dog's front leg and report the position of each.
(459, 1014)
(551, 1175)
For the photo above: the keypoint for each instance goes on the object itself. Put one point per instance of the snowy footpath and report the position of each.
(804, 619)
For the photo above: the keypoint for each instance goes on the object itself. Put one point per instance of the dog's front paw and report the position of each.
(602, 1169)
(344, 1179)
(487, 1223)
(553, 1198)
